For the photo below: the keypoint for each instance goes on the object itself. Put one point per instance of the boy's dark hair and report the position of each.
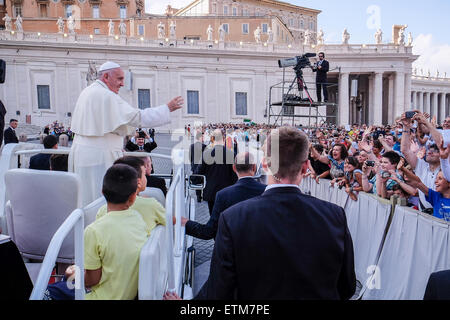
(59, 162)
(354, 162)
(13, 120)
(393, 157)
(50, 141)
(133, 162)
(119, 183)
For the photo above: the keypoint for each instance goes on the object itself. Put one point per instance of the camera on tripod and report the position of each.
(298, 62)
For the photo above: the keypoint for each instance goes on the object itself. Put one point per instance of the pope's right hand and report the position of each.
(175, 104)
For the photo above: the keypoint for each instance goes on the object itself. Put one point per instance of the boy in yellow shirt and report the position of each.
(150, 209)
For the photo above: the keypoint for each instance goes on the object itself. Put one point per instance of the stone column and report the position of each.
(426, 102)
(434, 111)
(442, 109)
(420, 104)
(407, 92)
(344, 106)
(371, 109)
(414, 100)
(391, 100)
(399, 94)
(378, 99)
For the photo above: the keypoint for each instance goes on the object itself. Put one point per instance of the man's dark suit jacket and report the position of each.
(40, 162)
(10, 136)
(321, 75)
(157, 182)
(244, 189)
(282, 245)
(196, 154)
(438, 287)
(219, 174)
(148, 147)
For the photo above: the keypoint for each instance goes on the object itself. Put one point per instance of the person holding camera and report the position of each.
(321, 68)
(427, 167)
(382, 183)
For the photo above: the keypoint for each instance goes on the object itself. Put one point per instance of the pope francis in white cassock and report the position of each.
(101, 120)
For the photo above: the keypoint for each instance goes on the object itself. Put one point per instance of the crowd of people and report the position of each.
(57, 129)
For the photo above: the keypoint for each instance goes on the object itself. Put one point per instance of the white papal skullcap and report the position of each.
(108, 66)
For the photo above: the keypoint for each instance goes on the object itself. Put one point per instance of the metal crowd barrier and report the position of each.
(396, 248)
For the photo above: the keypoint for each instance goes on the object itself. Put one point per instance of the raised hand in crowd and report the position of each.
(422, 152)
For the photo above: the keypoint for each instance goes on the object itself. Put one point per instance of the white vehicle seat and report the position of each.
(40, 201)
(90, 211)
(154, 193)
(153, 269)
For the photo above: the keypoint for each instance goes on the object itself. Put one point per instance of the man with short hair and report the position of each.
(426, 169)
(100, 121)
(283, 244)
(140, 144)
(321, 68)
(245, 188)
(10, 133)
(217, 167)
(41, 161)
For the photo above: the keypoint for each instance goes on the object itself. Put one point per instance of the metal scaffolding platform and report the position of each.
(290, 100)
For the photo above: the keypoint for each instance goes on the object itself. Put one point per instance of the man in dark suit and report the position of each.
(41, 161)
(321, 68)
(196, 157)
(283, 244)
(140, 144)
(10, 133)
(217, 167)
(245, 188)
(438, 287)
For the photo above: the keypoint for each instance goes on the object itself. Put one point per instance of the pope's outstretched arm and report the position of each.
(155, 117)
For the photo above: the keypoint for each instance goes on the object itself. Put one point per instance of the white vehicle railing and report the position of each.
(76, 221)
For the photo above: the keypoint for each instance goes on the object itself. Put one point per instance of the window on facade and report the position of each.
(225, 10)
(141, 30)
(214, 8)
(302, 24)
(193, 102)
(245, 12)
(144, 98)
(43, 93)
(291, 22)
(18, 11)
(226, 28)
(43, 10)
(123, 12)
(264, 27)
(96, 31)
(96, 12)
(68, 10)
(245, 28)
(234, 11)
(241, 103)
(311, 25)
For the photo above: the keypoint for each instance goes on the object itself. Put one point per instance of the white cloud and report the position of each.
(159, 6)
(432, 56)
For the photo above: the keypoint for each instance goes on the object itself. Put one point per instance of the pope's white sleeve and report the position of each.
(155, 117)
(445, 167)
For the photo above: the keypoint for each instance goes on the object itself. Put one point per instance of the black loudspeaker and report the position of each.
(18, 112)
(2, 71)
(69, 114)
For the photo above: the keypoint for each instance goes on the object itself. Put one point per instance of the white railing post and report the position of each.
(180, 207)
(74, 220)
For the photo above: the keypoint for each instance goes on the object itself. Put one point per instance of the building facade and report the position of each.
(221, 80)
(289, 23)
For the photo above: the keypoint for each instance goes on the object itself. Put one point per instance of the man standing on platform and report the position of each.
(100, 121)
(321, 68)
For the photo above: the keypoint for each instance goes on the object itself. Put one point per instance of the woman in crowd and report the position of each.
(336, 160)
(353, 177)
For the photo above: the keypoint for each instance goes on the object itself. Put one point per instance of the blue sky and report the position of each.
(428, 21)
